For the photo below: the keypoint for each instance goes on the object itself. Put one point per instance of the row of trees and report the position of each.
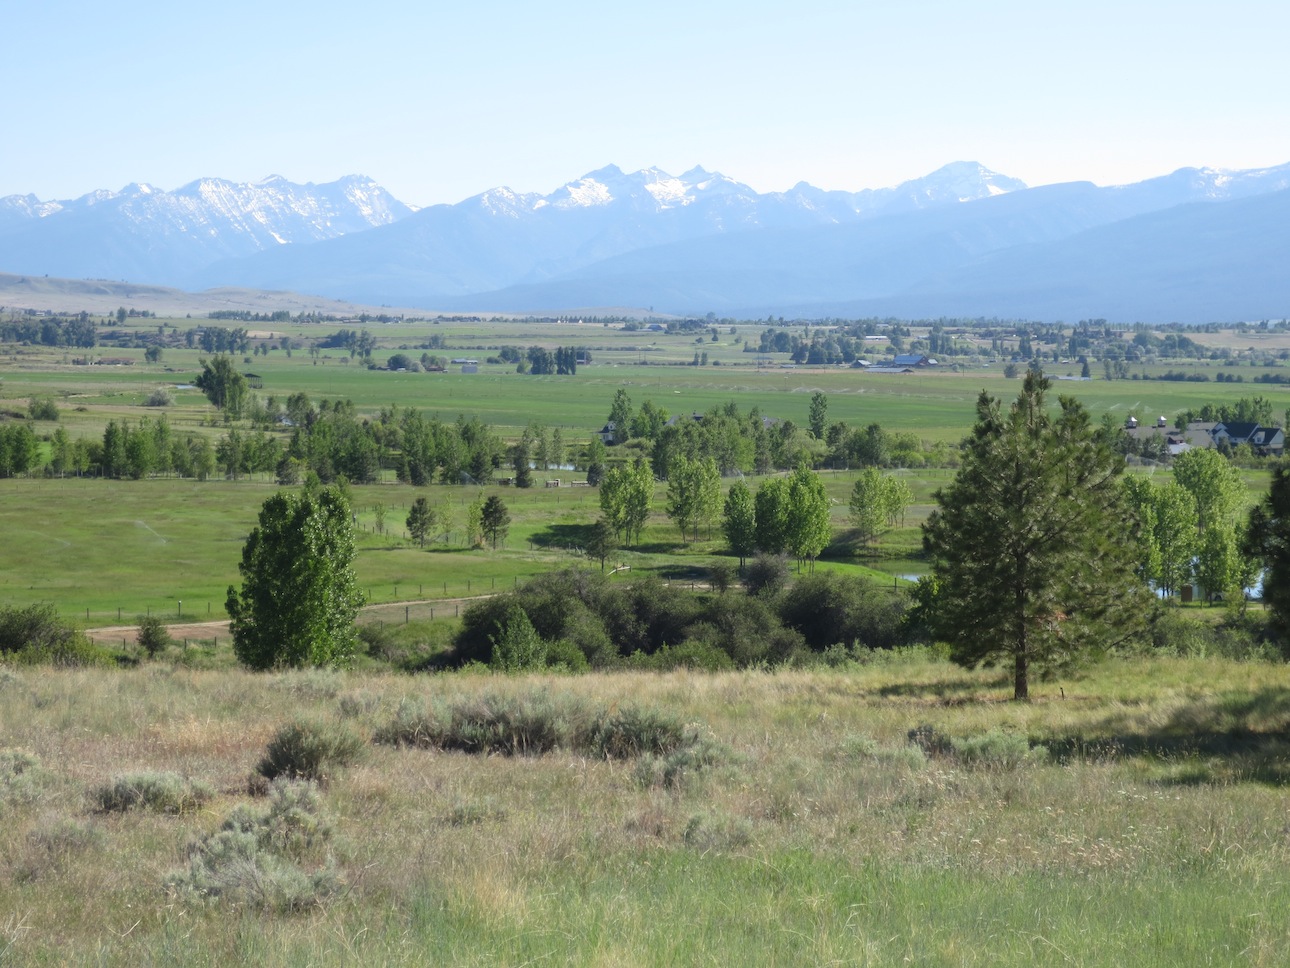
(71, 331)
(543, 362)
(787, 515)
(1192, 528)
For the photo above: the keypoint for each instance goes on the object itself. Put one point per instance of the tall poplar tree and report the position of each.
(1029, 542)
(299, 595)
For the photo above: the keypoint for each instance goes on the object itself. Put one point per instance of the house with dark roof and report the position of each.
(1262, 440)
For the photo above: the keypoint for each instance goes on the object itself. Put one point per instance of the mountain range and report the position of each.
(1194, 246)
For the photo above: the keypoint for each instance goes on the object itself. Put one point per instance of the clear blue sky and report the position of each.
(440, 100)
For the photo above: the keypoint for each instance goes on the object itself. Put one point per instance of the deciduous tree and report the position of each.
(739, 521)
(1267, 539)
(299, 595)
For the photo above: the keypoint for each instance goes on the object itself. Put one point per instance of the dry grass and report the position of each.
(821, 835)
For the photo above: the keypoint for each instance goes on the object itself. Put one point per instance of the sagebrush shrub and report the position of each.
(997, 749)
(310, 750)
(676, 769)
(631, 732)
(254, 858)
(21, 777)
(164, 792)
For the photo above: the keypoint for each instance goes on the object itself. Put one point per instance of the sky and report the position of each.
(438, 101)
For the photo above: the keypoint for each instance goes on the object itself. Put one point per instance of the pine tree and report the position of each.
(1031, 544)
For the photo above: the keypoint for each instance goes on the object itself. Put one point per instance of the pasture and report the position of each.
(106, 551)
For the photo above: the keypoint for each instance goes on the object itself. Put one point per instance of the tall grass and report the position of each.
(1151, 834)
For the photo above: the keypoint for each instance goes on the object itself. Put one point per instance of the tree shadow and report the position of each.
(953, 692)
(1239, 737)
(563, 536)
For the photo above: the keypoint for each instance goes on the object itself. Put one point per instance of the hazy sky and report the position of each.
(439, 100)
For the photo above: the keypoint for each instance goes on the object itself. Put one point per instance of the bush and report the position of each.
(159, 398)
(766, 574)
(566, 656)
(154, 638)
(828, 608)
(632, 732)
(487, 724)
(690, 654)
(533, 724)
(1236, 638)
(21, 778)
(163, 792)
(997, 749)
(993, 749)
(253, 859)
(35, 635)
(309, 750)
(681, 766)
(42, 408)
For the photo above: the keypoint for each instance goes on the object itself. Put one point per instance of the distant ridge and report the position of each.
(963, 240)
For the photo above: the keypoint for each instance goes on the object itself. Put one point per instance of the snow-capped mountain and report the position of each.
(502, 238)
(150, 235)
(696, 242)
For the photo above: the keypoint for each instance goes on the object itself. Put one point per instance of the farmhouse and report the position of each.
(1263, 440)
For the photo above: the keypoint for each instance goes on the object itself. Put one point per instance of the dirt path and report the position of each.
(381, 611)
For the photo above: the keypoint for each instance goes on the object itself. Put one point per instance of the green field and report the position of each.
(935, 405)
(102, 549)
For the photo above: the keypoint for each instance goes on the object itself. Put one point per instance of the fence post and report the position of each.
(405, 615)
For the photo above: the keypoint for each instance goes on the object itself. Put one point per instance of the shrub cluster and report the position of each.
(536, 723)
(36, 634)
(585, 620)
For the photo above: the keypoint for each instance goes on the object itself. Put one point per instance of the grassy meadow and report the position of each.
(1150, 829)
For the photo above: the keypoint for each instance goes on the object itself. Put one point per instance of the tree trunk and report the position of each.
(1020, 678)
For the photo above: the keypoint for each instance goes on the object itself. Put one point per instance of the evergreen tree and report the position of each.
(420, 520)
(1267, 539)
(494, 520)
(1030, 542)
